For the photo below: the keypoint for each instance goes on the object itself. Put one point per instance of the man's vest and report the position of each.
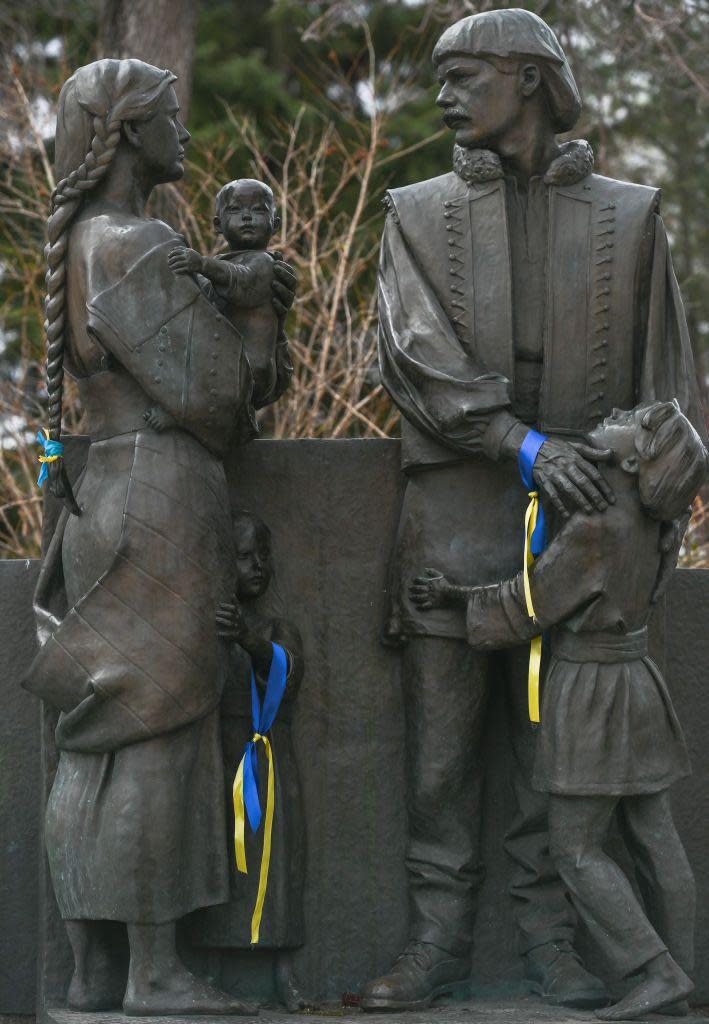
(458, 234)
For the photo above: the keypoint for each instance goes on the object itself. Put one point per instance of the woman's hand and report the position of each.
(429, 590)
(565, 474)
(230, 621)
(184, 261)
(283, 287)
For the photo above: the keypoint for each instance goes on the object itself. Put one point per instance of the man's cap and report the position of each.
(513, 32)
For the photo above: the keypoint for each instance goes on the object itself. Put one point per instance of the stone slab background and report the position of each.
(332, 507)
(19, 792)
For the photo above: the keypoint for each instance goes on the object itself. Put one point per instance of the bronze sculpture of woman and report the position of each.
(128, 592)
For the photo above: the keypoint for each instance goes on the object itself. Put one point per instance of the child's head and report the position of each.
(252, 539)
(245, 213)
(657, 442)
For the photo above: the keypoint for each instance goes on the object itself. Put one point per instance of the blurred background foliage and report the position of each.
(332, 102)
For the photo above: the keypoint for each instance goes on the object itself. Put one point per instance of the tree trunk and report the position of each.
(161, 32)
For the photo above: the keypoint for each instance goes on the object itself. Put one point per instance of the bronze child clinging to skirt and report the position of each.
(609, 738)
(250, 631)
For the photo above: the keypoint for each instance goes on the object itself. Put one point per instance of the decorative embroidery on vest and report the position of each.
(390, 209)
(453, 215)
(604, 232)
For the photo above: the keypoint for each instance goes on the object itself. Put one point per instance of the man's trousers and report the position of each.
(446, 688)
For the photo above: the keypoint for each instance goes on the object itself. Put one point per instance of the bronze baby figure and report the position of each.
(609, 739)
(242, 285)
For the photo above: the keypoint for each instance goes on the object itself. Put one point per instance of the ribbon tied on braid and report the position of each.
(109, 92)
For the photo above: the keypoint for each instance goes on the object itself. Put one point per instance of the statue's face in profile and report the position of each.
(617, 432)
(161, 141)
(479, 102)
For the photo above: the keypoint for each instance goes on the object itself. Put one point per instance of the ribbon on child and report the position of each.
(53, 450)
(534, 542)
(245, 789)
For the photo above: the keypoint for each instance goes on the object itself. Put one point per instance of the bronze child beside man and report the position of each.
(465, 338)
(609, 739)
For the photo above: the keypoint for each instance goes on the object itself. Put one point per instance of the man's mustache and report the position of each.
(455, 115)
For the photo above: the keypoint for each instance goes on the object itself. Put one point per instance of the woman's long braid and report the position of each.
(66, 201)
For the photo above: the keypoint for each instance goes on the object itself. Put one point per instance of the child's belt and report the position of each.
(602, 646)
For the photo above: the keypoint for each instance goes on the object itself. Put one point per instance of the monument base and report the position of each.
(521, 1010)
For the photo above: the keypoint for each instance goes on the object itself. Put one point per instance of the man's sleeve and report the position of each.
(435, 384)
(561, 582)
(667, 364)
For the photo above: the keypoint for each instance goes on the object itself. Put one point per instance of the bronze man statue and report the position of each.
(519, 290)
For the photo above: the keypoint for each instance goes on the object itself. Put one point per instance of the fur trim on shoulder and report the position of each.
(476, 166)
(574, 164)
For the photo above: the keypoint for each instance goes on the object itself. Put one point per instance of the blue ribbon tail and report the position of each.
(262, 720)
(539, 537)
(275, 687)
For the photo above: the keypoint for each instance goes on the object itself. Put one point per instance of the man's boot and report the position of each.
(421, 973)
(555, 972)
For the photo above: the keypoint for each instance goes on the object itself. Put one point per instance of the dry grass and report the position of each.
(695, 549)
(330, 223)
(327, 204)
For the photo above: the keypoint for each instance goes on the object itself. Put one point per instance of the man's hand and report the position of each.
(184, 261)
(283, 288)
(429, 590)
(565, 474)
(230, 621)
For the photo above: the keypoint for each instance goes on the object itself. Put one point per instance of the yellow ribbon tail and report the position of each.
(267, 835)
(535, 649)
(530, 522)
(239, 819)
(535, 661)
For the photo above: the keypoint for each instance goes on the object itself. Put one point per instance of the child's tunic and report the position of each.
(607, 722)
(282, 924)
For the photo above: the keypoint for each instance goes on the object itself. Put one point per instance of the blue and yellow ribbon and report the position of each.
(245, 789)
(534, 542)
(53, 450)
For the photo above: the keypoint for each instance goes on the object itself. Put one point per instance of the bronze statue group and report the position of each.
(529, 314)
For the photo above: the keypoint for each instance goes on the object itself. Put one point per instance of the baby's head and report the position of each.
(252, 539)
(245, 213)
(657, 442)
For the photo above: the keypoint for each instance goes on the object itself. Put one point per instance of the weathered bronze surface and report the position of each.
(518, 290)
(127, 597)
(246, 623)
